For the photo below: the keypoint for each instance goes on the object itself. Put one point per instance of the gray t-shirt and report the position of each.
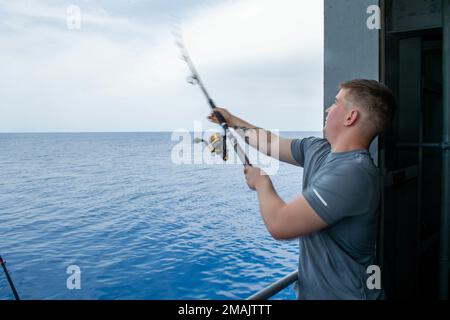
(343, 189)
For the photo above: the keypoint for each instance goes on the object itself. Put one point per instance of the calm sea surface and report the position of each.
(137, 225)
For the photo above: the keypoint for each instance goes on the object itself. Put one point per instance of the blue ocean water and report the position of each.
(137, 225)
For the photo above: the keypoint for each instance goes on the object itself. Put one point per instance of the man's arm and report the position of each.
(263, 140)
(270, 144)
(283, 220)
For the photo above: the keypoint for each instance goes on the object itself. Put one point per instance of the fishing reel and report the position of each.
(216, 145)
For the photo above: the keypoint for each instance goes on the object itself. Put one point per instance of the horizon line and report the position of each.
(155, 131)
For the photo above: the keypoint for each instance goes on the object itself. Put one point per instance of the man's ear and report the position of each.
(351, 117)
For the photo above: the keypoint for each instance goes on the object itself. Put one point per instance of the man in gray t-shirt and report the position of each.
(335, 218)
(343, 189)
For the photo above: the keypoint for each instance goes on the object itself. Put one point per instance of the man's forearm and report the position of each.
(259, 138)
(269, 204)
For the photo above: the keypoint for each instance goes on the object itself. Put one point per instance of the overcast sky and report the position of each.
(262, 59)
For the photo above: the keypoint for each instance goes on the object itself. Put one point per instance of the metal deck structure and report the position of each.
(410, 53)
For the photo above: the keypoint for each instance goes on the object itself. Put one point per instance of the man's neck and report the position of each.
(346, 146)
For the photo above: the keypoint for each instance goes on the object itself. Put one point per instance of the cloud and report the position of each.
(24, 15)
(256, 30)
(121, 73)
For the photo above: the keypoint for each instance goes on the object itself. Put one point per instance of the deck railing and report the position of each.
(275, 287)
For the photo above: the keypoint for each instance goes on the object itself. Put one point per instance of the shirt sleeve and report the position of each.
(300, 148)
(342, 192)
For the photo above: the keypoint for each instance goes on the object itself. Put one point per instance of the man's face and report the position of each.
(335, 116)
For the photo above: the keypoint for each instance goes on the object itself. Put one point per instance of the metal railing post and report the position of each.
(445, 209)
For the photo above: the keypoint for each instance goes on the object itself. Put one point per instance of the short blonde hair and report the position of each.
(373, 97)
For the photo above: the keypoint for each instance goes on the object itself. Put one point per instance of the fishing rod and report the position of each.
(8, 277)
(215, 144)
